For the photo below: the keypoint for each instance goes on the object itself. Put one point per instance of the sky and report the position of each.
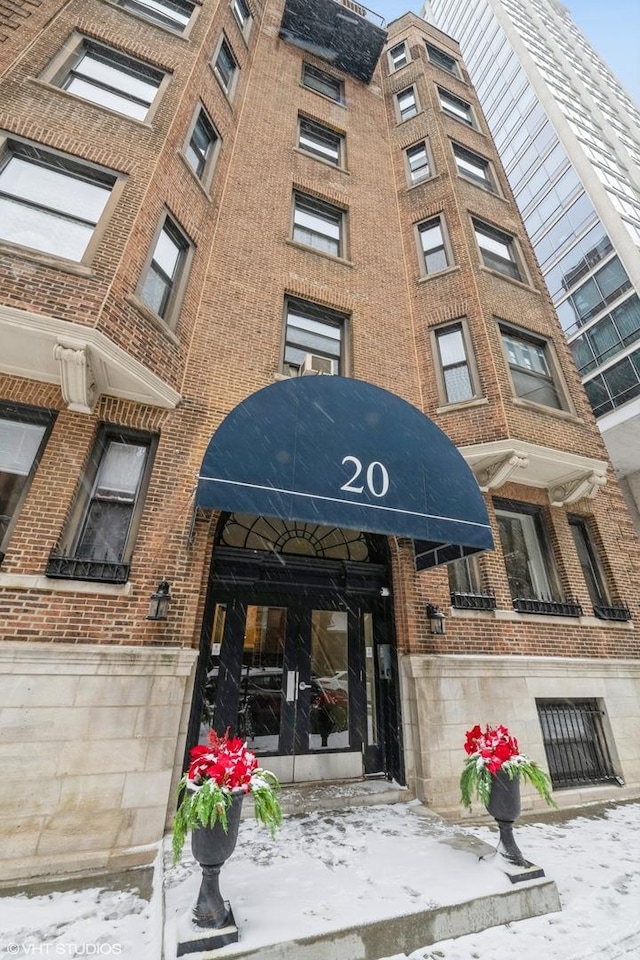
(612, 28)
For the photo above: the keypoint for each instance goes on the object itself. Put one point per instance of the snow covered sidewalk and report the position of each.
(364, 864)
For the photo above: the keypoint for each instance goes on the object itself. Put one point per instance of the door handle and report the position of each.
(304, 686)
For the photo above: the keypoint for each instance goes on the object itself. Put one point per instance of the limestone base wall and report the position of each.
(90, 737)
(443, 696)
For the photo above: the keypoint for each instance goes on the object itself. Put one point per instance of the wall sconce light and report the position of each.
(437, 625)
(159, 602)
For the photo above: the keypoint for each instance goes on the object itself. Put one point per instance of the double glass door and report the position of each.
(296, 679)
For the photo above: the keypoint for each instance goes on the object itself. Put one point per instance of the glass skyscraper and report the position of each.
(569, 138)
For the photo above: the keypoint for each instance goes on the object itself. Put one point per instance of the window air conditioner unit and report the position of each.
(313, 364)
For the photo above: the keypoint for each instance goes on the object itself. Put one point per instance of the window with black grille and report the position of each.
(575, 742)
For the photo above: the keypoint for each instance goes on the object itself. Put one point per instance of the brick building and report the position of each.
(199, 201)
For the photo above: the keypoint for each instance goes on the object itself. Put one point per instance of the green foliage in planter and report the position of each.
(209, 804)
(477, 779)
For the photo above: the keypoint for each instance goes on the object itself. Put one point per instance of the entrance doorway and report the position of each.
(296, 652)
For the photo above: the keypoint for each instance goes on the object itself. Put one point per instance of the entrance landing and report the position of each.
(359, 883)
(302, 798)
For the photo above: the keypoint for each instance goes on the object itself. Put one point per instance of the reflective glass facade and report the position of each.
(572, 156)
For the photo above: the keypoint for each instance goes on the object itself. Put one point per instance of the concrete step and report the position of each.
(351, 876)
(301, 798)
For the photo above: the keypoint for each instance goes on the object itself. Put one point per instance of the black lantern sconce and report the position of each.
(437, 625)
(159, 602)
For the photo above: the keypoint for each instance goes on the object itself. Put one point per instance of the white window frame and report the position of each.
(427, 166)
(151, 11)
(448, 104)
(402, 113)
(175, 283)
(317, 320)
(499, 251)
(204, 175)
(21, 458)
(322, 77)
(229, 83)
(66, 67)
(243, 16)
(467, 162)
(45, 211)
(88, 494)
(319, 221)
(427, 226)
(323, 135)
(535, 560)
(453, 71)
(457, 326)
(403, 55)
(553, 377)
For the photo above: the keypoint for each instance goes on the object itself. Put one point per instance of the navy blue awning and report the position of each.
(341, 452)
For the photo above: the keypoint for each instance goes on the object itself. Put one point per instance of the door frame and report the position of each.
(240, 577)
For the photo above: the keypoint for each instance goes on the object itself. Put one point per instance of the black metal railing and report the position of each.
(472, 601)
(575, 742)
(552, 608)
(616, 611)
(70, 568)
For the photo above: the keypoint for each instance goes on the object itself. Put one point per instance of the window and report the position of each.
(432, 244)
(498, 251)
(201, 146)
(530, 370)
(167, 267)
(49, 202)
(522, 539)
(318, 224)
(473, 167)
(442, 60)
(454, 364)
(225, 67)
(111, 79)
(589, 561)
(23, 435)
(464, 576)
(100, 538)
(312, 329)
(418, 162)
(320, 141)
(322, 83)
(398, 56)
(455, 107)
(243, 16)
(174, 14)
(575, 742)
(407, 104)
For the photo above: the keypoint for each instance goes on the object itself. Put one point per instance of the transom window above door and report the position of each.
(293, 537)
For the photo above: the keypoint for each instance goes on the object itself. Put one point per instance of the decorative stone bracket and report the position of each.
(586, 485)
(77, 380)
(565, 476)
(494, 472)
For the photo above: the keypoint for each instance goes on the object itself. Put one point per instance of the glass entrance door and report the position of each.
(292, 680)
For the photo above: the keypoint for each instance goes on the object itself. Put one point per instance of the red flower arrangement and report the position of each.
(489, 751)
(226, 760)
(217, 770)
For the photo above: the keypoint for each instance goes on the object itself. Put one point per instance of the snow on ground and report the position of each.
(362, 864)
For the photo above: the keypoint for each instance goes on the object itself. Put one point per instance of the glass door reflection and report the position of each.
(329, 706)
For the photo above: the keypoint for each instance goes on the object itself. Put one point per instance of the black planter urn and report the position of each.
(504, 807)
(211, 847)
